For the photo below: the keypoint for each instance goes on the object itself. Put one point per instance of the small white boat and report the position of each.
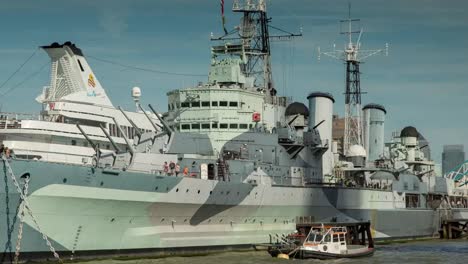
(325, 242)
(330, 242)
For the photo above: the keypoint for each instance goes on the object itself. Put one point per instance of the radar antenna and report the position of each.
(352, 55)
(253, 35)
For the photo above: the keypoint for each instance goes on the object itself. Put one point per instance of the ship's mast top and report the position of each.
(352, 55)
(251, 42)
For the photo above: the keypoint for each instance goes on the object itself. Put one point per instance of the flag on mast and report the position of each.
(222, 17)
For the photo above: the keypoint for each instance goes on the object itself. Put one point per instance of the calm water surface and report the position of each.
(413, 252)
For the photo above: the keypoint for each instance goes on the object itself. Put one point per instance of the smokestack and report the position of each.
(321, 109)
(374, 121)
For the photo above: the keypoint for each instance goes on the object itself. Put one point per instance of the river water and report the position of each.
(434, 251)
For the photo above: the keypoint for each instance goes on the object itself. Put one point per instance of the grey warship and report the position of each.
(251, 166)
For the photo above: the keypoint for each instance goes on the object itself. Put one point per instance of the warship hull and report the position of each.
(86, 211)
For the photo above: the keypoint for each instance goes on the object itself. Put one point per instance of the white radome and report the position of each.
(356, 151)
(136, 92)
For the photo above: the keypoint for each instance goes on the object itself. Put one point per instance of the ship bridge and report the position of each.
(215, 108)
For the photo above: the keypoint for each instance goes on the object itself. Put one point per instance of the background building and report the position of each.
(338, 131)
(453, 156)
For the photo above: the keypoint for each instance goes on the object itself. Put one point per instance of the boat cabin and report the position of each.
(327, 239)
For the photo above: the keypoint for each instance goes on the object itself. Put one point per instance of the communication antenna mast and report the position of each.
(352, 55)
(253, 37)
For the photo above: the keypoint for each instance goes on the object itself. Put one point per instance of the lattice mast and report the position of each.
(352, 55)
(254, 37)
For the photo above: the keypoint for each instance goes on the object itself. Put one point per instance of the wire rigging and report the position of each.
(29, 77)
(18, 69)
(145, 69)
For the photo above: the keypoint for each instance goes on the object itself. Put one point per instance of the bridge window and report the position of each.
(223, 103)
(205, 104)
(233, 126)
(214, 103)
(243, 126)
(185, 105)
(195, 104)
(73, 142)
(223, 126)
(195, 126)
(205, 126)
(185, 127)
(233, 104)
(214, 125)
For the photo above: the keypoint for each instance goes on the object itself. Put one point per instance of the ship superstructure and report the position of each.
(74, 96)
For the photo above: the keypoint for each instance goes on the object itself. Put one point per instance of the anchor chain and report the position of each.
(21, 217)
(10, 227)
(28, 208)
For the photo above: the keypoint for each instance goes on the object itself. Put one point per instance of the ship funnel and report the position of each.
(72, 79)
(320, 118)
(374, 121)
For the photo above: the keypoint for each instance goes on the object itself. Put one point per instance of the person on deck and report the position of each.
(7, 152)
(166, 168)
(172, 167)
(177, 169)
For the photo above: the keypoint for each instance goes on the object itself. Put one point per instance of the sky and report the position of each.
(422, 82)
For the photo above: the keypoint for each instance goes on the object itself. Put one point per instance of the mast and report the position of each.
(253, 42)
(352, 55)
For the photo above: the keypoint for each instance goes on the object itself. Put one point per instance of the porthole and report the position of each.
(156, 188)
(162, 220)
(211, 192)
(167, 189)
(102, 183)
(64, 180)
(198, 191)
(177, 190)
(112, 220)
(187, 190)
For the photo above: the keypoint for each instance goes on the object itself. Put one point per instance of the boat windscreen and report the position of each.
(318, 238)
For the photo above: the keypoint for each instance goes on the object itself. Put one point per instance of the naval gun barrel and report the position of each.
(94, 145)
(166, 126)
(155, 126)
(137, 129)
(317, 125)
(130, 147)
(114, 145)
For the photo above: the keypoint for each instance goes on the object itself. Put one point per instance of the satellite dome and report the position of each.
(409, 131)
(356, 151)
(297, 108)
(136, 92)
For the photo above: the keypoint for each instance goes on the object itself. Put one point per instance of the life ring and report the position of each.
(325, 248)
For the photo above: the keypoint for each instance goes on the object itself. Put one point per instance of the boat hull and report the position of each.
(308, 254)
